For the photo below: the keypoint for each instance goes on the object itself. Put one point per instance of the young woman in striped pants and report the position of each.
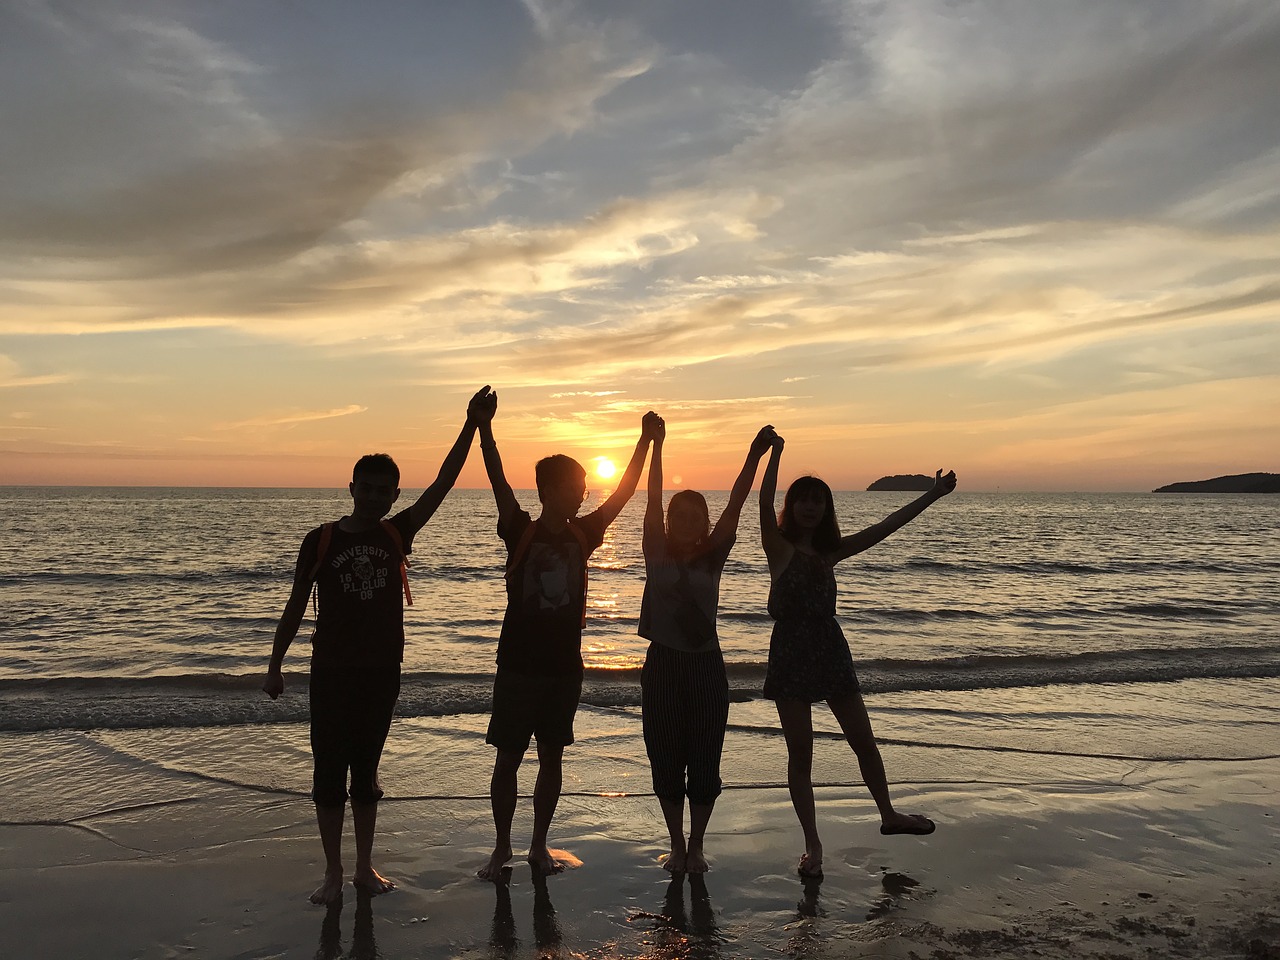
(685, 691)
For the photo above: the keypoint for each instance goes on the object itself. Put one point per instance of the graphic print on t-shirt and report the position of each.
(362, 569)
(550, 573)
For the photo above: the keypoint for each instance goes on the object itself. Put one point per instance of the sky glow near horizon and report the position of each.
(243, 243)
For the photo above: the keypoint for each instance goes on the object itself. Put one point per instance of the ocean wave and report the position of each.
(281, 574)
(471, 573)
(225, 699)
(1165, 611)
(115, 577)
(866, 616)
(972, 566)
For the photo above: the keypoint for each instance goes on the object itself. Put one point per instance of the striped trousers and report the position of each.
(685, 701)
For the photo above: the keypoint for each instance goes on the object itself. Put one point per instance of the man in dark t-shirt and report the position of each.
(356, 566)
(539, 678)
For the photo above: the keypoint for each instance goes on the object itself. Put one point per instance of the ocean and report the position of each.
(1082, 629)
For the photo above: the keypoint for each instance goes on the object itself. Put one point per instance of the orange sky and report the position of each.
(1037, 244)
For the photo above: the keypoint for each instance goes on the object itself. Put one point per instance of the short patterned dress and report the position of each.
(809, 658)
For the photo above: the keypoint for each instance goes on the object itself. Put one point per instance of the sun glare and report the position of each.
(605, 468)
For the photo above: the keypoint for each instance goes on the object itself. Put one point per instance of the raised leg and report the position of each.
(851, 712)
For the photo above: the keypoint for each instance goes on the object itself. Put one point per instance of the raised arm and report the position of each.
(426, 505)
(653, 528)
(728, 522)
(503, 495)
(610, 509)
(287, 629)
(865, 539)
(777, 548)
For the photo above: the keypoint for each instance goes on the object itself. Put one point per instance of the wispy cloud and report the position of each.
(604, 207)
(292, 419)
(12, 377)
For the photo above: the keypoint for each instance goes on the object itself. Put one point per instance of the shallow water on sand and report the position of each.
(1039, 736)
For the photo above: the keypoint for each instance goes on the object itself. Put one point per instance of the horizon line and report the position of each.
(187, 486)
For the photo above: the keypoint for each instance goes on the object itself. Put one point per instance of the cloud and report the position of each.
(1008, 115)
(264, 197)
(292, 419)
(1003, 204)
(12, 377)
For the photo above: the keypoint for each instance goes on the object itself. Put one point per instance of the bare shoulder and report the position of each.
(779, 554)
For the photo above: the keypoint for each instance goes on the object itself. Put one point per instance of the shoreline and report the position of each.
(1171, 858)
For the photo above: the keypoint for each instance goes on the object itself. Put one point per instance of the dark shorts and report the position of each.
(527, 706)
(350, 716)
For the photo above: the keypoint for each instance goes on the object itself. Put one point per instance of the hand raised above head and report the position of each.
(763, 440)
(483, 405)
(943, 485)
(652, 426)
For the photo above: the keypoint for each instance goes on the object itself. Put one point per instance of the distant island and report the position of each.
(1237, 483)
(907, 481)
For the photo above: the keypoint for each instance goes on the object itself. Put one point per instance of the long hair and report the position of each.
(827, 535)
(697, 501)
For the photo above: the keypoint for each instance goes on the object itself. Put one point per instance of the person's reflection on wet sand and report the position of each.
(897, 887)
(704, 915)
(808, 907)
(687, 934)
(806, 937)
(503, 941)
(331, 932)
(546, 928)
(363, 945)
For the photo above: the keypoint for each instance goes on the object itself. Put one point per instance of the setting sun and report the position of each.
(605, 468)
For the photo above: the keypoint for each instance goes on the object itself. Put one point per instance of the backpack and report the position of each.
(326, 535)
(522, 547)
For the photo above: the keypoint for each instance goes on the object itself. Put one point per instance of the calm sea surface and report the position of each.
(1030, 621)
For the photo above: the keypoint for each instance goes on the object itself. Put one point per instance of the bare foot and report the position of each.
(810, 864)
(675, 861)
(372, 882)
(331, 890)
(543, 863)
(497, 860)
(695, 862)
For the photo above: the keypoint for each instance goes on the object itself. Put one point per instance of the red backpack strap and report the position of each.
(322, 547)
(522, 547)
(394, 533)
(586, 552)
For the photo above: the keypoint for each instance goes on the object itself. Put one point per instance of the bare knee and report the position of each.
(865, 750)
(799, 749)
(506, 765)
(550, 752)
(550, 759)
